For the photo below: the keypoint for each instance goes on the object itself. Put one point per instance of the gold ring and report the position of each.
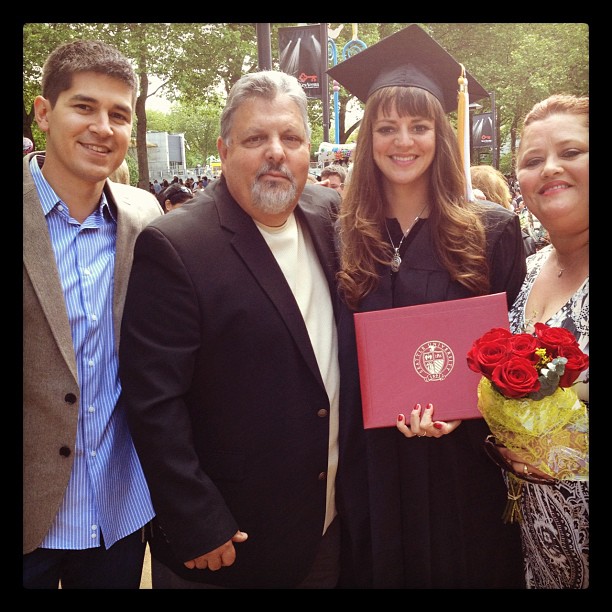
(525, 470)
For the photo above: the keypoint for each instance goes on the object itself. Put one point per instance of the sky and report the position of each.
(157, 102)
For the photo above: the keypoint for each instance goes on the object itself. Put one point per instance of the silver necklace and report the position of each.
(396, 260)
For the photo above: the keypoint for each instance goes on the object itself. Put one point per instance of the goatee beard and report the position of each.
(274, 197)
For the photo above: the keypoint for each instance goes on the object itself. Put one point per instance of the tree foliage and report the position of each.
(200, 124)
(197, 63)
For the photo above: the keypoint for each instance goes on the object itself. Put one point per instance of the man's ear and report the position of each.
(222, 148)
(42, 108)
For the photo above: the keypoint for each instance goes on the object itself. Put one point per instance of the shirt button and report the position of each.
(322, 475)
(93, 453)
(90, 363)
(322, 413)
(64, 451)
(94, 317)
(70, 398)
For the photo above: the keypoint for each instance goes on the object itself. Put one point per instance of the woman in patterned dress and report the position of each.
(553, 172)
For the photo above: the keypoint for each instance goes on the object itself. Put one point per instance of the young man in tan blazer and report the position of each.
(85, 498)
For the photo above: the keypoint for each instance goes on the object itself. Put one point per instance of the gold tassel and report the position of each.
(512, 512)
(463, 130)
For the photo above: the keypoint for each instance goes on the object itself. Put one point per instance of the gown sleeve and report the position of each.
(506, 253)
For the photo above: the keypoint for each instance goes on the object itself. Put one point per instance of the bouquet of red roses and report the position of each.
(526, 397)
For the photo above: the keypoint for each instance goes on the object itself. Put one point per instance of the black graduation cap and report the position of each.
(409, 58)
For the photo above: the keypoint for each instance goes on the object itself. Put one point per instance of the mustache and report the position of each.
(272, 167)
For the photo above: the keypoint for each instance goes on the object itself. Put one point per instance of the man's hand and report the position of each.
(224, 556)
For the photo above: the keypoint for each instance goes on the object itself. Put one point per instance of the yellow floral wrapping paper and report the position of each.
(551, 433)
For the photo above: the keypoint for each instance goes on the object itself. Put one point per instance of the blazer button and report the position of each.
(322, 413)
(70, 398)
(64, 451)
(322, 475)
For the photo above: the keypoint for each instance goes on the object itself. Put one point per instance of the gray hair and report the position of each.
(267, 84)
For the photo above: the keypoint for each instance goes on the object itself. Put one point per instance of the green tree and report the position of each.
(200, 125)
(545, 59)
(133, 168)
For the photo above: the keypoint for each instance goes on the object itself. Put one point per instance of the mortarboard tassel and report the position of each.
(463, 130)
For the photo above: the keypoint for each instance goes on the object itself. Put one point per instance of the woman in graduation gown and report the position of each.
(421, 503)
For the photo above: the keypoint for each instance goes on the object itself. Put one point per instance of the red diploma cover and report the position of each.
(418, 354)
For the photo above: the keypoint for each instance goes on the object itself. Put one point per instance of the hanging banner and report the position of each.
(483, 134)
(300, 55)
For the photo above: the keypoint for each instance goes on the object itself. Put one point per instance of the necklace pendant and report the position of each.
(396, 261)
(561, 271)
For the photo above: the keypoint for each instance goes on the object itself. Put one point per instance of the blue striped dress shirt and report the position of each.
(107, 492)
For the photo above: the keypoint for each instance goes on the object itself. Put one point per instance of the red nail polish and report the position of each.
(400, 417)
(417, 407)
(438, 425)
(429, 406)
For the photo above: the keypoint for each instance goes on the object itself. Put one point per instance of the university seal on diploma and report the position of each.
(434, 361)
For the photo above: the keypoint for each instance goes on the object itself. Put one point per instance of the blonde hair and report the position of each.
(121, 174)
(493, 185)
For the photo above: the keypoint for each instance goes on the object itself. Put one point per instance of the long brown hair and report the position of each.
(456, 225)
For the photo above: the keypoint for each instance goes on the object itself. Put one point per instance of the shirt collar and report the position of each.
(48, 198)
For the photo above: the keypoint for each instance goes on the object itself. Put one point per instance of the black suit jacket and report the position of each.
(226, 404)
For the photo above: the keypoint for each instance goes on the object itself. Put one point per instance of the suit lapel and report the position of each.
(39, 263)
(321, 230)
(127, 226)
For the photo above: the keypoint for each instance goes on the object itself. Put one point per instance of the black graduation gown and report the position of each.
(425, 513)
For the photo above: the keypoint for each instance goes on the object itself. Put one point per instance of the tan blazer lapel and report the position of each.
(127, 228)
(135, 208)
(39, 264)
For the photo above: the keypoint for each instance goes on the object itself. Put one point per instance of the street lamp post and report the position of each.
(495, 149)
(474, 106)
(332, 52)
(352, 47)
(264, 49)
